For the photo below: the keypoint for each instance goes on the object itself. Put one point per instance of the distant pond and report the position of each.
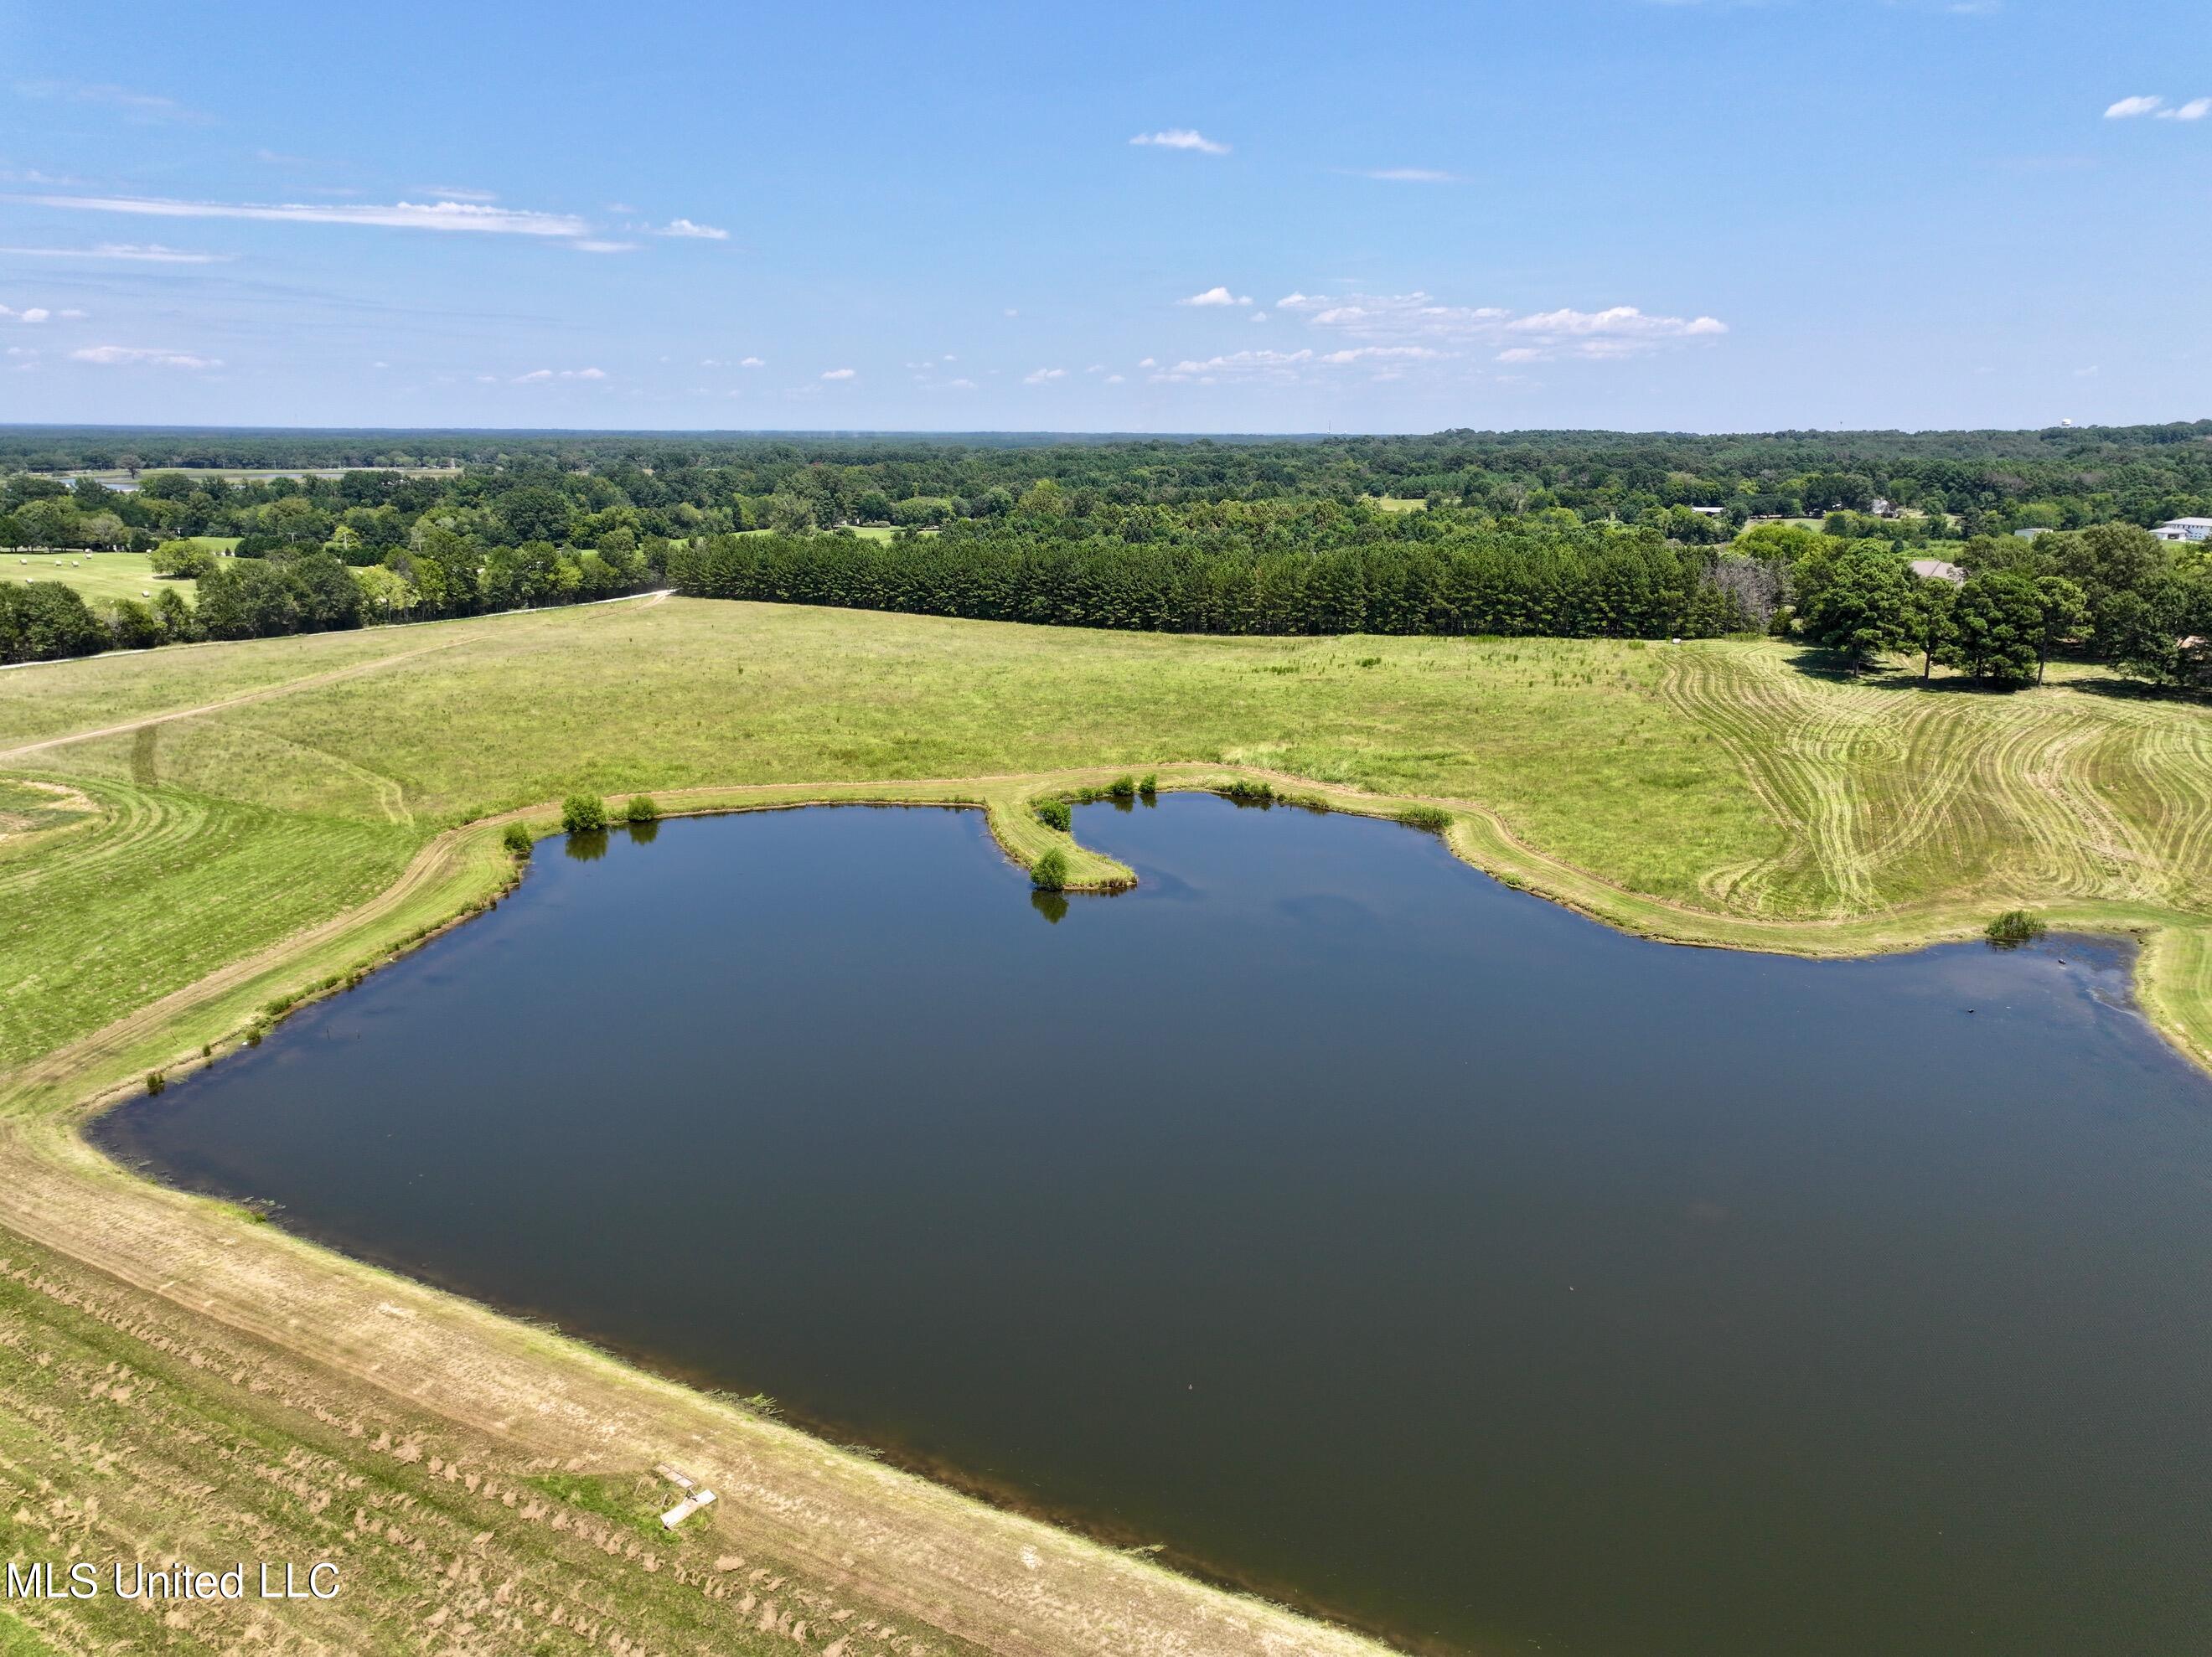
(1364, 1231)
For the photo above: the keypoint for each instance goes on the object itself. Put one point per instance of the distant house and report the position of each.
(1883, 509)
(1938, 569)
(2031, 531)
(2184, 529)
(1711, 511)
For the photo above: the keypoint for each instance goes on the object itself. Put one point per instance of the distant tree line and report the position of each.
(291, 589)
(1572, 583)
(568, 487)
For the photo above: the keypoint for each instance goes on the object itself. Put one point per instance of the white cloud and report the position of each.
(1043, 375)
(1380, 354)
(1401, 174)
(962, 384)
(2128, 108)
(1617, 319)
(148, 252)
(1217, 296)
(1520, 354)
(592, 244)
(1273, 365)
(1147, 363)
(140, 106)
(2195, 109)
(839, 374)
(1259, 316)
(454, 193)
(751, 362)
(399, 216)
(35, 314)
(1419, 319)
(1012, 312)
(124, 357)
(685, 228)
(541, 376)
(1181, 137)
(1114, 379)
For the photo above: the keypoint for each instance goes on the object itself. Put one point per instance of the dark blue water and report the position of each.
(1326, 1212)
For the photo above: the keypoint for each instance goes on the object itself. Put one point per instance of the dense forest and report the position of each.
(2061, 477)
(2040, 534)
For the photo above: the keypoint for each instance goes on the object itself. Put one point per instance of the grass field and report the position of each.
(192, 833)
(100, 576)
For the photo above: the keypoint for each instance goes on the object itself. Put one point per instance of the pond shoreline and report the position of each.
(462, 874)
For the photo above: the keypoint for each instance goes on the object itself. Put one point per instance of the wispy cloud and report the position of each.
(453, 192)
(449, 215)
(1181, 137)
(593, 245)
(1217, 296)
(1044, 376)
(2152, 104)
(751, 362)
(685, 229)
(839, 374)
(137, 106)
(34, 314)
(125, 357)
(1288, 366)
(1417, 319)
(149, 253)
(542, 376)
(1401, 174)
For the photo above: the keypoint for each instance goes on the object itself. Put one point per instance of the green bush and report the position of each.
(1149, 785)
(155, 1081)
(1049, 872)
(583, 814)
(1434, 818)
(2014, 928)
(1054, 814)
(1247, 793)
(642, 808)
(1122, 788)
(516, 839)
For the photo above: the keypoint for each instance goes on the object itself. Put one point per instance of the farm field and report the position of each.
(100, 576)
(231, 824)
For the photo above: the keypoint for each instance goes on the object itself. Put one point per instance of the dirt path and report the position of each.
(243, 697)
(309, 682)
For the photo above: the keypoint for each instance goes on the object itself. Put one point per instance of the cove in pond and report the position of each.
(1352, 1225)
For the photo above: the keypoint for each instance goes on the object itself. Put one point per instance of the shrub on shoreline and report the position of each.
(2014, 928)
(583, 814)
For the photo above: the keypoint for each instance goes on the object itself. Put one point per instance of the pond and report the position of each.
(1361, 1229)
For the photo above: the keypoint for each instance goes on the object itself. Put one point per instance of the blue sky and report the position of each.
(1710, 216)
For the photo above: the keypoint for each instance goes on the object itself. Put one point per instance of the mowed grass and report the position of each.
(164, 888)
(100, 576)
(1728, 776)
(177, 1379)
